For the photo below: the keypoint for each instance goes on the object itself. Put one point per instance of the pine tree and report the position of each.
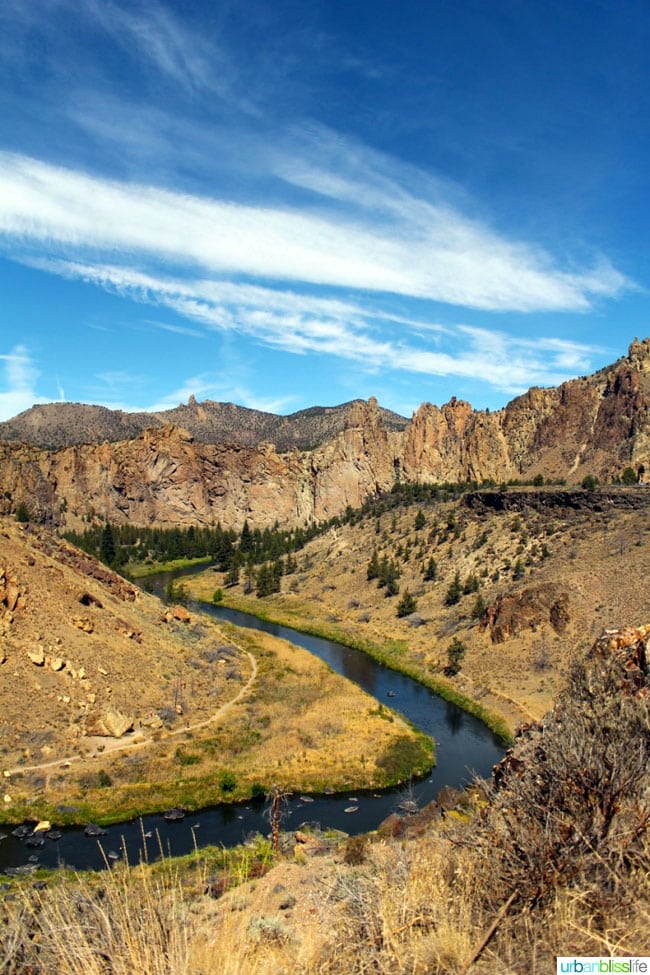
(470, 584)
(455, 653)
(107, 545)
(454, 592)
(478, 608)
(373, 566)
(431, 570)
(407, 605)
(245, 539)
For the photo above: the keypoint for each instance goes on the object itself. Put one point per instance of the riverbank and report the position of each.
(143, 570)
(300, 726)
(291, 612)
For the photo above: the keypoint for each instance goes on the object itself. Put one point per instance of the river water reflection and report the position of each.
(464, 747)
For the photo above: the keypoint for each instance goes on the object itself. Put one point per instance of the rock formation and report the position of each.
(513, 612)
(169, 475)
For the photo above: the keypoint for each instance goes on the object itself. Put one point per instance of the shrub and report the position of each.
(518, 570)
(355, 851)
(470, 584)
(185, 758)
(22, 513)
(570, 803)
(227, 782)
(217, 595)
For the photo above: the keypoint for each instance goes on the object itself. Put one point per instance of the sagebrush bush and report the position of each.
(570, 804)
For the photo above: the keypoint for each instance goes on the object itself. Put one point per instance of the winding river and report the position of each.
(464, 746)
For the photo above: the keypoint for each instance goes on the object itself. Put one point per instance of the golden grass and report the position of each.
(414, 907)
(301, 726)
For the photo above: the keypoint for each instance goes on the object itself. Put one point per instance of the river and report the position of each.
(464, 747)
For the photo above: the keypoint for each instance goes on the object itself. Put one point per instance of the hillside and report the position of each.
(118, 705)
(540, 574)
(596, 426)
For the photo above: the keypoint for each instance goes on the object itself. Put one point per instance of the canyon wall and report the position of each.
(166, 475)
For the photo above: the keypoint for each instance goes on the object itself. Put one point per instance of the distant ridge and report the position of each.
(204, 463)
(57, 425)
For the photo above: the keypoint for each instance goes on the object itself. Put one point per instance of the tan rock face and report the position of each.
(511, 613)
(593, 425)
(181, 614)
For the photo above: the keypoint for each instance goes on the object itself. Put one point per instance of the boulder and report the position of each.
(153, 721)
(110, 723)
(82, 623)
(181, 614)
(37, 656)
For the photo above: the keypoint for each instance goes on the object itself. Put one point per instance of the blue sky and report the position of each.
(292, 204)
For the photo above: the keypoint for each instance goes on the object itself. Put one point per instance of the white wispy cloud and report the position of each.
(303, 324)
(20, 382)
(390, 242)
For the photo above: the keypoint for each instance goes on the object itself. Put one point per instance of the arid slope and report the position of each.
(551, 569)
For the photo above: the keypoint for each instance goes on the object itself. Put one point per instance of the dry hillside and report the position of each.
(550, 569)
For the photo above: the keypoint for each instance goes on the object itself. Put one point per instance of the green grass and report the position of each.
(141, 570)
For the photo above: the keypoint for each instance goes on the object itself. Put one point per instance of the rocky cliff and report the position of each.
(169, 475)
(165, 476)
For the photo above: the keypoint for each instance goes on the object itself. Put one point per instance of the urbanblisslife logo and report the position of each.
(608, 966)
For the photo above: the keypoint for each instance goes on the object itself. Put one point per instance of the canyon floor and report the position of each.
(118, 706)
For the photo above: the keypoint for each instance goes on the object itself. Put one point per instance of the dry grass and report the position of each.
(301, 726)
(414, 907)
(552, 859)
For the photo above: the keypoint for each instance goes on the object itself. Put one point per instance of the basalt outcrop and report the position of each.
(526, 609)
(224, 472)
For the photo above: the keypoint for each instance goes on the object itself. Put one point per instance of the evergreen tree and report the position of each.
(431, 570)
(470, 584)
(407, 605)
(249, 577)
(454, 592)
(478, 608)
(264, 581)
(232, 576)
(245, 539)
(420, 521)
(107, 545)
(455, 653)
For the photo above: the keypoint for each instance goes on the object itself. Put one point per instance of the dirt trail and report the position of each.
(116, 745)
